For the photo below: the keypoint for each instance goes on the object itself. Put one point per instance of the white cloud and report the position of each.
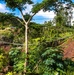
(41, 13)
(28, 9)
(46, 14)
(3, 8)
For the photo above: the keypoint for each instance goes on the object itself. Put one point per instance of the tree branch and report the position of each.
(23, 17)
(30, 18)
(20, 21)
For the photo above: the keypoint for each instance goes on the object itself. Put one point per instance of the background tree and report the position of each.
(64, 15)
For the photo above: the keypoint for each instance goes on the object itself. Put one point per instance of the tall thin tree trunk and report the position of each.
(26, 47)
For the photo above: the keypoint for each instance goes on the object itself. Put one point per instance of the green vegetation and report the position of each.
(42, 53)
(45, 56)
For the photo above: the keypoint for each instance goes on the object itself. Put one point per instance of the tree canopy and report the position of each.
(17, 3)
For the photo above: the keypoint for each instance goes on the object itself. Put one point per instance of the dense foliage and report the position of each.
(45, 53)
(44, 56)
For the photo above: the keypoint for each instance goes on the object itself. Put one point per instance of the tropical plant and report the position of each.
(17, 57)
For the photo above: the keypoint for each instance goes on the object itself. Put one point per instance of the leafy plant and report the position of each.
(10, 73)
(52, 59)
(17, 57)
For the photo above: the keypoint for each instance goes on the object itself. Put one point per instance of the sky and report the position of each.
(40, 17)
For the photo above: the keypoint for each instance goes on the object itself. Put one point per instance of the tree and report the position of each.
(64, 15)
(4, 17)
(45, 5)
(19, 4)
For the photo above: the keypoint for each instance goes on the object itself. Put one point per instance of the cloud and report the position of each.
(3, 8)
(41, 13)
(28, 9)
(46, 14)
(42, 16)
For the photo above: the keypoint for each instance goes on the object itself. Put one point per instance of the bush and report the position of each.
(17, 58)
(3, 61)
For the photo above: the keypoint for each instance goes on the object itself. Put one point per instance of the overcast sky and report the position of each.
(40, 17)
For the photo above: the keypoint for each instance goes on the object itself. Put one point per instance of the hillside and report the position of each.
(47, 45)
